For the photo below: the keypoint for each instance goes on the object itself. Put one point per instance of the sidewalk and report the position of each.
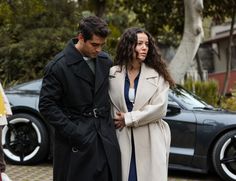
(43, 172)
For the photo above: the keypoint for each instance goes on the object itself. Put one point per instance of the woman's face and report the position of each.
(141, 48)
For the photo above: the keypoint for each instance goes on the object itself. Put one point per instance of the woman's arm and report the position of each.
(153, 111)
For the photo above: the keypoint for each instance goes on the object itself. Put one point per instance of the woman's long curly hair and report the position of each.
(126, 48)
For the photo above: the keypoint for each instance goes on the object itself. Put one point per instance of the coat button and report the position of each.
(74, 149)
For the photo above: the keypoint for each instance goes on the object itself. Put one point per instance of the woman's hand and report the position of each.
(119, 120)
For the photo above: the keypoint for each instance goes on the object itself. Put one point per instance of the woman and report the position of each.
(138, 88)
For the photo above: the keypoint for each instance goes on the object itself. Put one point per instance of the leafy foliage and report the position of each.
(33, 31)
(229, 103)
(219, 11)
(164, 19)
(208, 90)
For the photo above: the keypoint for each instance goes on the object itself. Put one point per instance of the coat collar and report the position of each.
(75, 61)
(146, 71)
(72, 54)
(116, 88)
(80, 68)
(147, 86)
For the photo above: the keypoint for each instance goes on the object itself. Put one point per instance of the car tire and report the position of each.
(25, 139)
(223, 156)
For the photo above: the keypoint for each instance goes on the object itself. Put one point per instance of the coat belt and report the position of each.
(91, 112)
(96, 112)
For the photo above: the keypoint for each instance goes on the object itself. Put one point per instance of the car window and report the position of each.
(187, 99)
(30, 86)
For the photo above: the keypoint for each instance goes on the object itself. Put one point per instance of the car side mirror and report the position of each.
(173, 109)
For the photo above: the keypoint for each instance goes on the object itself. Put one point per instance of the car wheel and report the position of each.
(25, 139)
(224, 156)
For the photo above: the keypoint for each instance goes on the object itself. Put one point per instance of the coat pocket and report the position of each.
(85, 134)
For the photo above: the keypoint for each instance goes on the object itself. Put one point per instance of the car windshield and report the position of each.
(188, 99)
(30, 86)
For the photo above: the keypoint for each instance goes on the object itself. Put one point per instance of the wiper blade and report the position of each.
(204, 108)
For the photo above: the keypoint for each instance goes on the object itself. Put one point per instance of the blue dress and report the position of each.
(132, 170)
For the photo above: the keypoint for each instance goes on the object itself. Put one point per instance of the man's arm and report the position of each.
(50, 98)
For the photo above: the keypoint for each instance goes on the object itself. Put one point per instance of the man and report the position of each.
(74, 99)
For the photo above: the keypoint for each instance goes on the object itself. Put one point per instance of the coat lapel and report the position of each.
(147, 86)
(76, 62)
(116, 88)
(83, 71)
(101, 72)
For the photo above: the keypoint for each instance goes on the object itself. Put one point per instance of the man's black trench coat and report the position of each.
(70, 89)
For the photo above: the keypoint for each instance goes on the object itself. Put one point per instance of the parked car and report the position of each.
(203, 137)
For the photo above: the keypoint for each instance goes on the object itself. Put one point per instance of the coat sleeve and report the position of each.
(154, 111)
(49, 104)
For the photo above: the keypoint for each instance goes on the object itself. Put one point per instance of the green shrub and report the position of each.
(229, 103)
(207, 90)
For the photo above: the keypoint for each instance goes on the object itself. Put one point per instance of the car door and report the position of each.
(183, 133)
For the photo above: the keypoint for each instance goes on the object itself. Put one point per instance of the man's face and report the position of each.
(92, 47)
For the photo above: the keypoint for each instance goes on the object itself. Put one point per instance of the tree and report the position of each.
(193, 34)
(32, 32)
(229, 59)
(163, 19)
(219, 11)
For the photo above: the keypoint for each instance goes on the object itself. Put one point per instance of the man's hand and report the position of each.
(119, 120)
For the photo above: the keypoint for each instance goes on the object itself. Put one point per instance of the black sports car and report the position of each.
(203, 137)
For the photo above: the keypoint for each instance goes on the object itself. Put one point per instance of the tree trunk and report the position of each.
(199, 67)
(192, 37)
(100, 6)
(229, 59)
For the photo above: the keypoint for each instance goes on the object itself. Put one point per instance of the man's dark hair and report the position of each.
(93, 25)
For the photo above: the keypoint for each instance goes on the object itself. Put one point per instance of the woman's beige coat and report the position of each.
(3, 119)
(151, 133)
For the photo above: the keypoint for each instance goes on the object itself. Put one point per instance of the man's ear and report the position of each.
(80, 37)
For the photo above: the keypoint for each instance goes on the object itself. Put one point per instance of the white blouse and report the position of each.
(131, 94)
